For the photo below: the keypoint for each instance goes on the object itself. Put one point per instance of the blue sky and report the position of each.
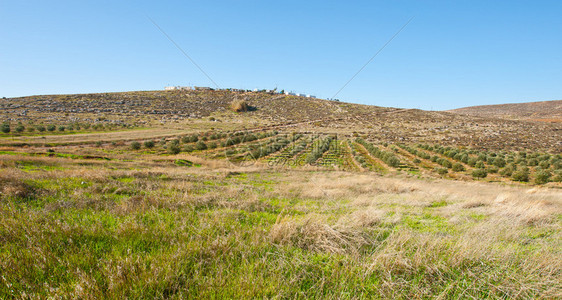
(453, 54)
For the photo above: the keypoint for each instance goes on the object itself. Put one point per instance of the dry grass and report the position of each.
(143, 227)
(238, 105)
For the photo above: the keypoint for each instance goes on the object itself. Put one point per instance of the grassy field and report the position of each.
(111, 222)
(173, 195)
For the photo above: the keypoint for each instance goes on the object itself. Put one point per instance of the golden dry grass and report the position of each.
(143, 227)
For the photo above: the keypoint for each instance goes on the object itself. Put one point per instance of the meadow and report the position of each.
(185, 217)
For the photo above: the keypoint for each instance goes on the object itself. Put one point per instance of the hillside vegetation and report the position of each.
(221, 194)
(544, 111)
(181, 109)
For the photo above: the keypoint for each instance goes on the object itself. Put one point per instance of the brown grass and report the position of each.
(238, 105)
(254, 232)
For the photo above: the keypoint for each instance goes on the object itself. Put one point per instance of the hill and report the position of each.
(175, 195)
(544, 111)
(179, 110)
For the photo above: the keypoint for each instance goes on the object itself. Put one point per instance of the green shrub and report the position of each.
(188, 148)
(135, 145)
(458, 167)
(544, 164)
(149, 144)
(542, 177)
(442, 171)
(393, 161)
(532, 162)
(19, 128)
(61, 128)
(41, 128)
(173, 148)
(507, 171)
(201, 145)
(193, 139)
(499, 162)
(521, 175)
(417, 161)
(479, 173)
(5, 128)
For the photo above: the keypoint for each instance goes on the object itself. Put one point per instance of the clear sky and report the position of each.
(453, 54)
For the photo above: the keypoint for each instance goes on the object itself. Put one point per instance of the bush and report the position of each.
(393, 161)
(19, 128)
(532, 162)
(507, 171)
(149, 144)
(173, 148)
(499, 162)
(239, 106)
(544, 164)
(51, 128)
(6, 128)
(61, 128)
(193, 139)
(135, 145)
(442, 171)
(458, 167)
(521, 176)
(480, 165)
(188, 148)
(201, 145)
(41, 128)
(417, 161)
(479, 173)
(542, 177)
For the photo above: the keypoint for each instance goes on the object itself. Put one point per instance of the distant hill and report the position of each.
(189, 109)
(544, 111)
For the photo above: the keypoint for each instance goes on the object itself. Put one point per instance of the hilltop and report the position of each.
(210, 109)
(544, 111)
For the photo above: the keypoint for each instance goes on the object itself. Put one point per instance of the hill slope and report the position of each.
(183, 109)
(546, 111)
